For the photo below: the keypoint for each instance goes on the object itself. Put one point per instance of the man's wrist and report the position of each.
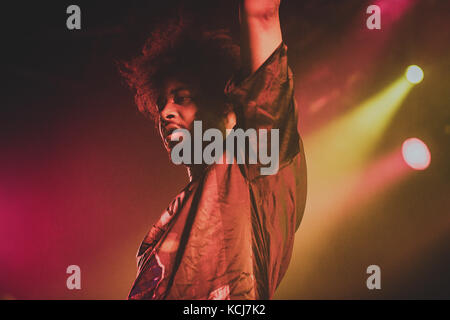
(260, 8)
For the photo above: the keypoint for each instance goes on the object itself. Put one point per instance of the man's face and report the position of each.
(180, 104)
(177, 110)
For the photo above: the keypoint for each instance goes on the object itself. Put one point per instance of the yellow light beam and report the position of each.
(337, 160)
(347, 141)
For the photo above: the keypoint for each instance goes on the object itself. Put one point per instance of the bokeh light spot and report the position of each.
(414, 74)
(416, 154)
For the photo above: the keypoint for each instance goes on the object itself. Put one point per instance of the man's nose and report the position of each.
(169, 111)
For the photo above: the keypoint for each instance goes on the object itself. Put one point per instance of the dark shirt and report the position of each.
(229, 234)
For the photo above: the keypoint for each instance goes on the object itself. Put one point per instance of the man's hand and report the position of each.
(261, 31)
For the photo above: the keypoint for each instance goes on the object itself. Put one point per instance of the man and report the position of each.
(229, 234)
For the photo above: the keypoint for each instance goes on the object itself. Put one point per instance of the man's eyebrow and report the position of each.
(173, 92)
(178, 89)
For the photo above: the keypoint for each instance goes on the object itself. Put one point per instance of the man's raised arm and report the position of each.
(260, 31)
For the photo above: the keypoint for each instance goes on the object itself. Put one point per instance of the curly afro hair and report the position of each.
(208, 58)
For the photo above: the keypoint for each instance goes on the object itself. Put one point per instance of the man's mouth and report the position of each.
(168, 132)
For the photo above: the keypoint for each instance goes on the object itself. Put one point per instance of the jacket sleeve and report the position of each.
(265, 100)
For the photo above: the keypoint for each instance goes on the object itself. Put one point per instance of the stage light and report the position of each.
(416, 154)
(414, 74)
(352, 137)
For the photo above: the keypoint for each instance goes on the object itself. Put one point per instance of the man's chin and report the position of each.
(169, 145)
(169, 148)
